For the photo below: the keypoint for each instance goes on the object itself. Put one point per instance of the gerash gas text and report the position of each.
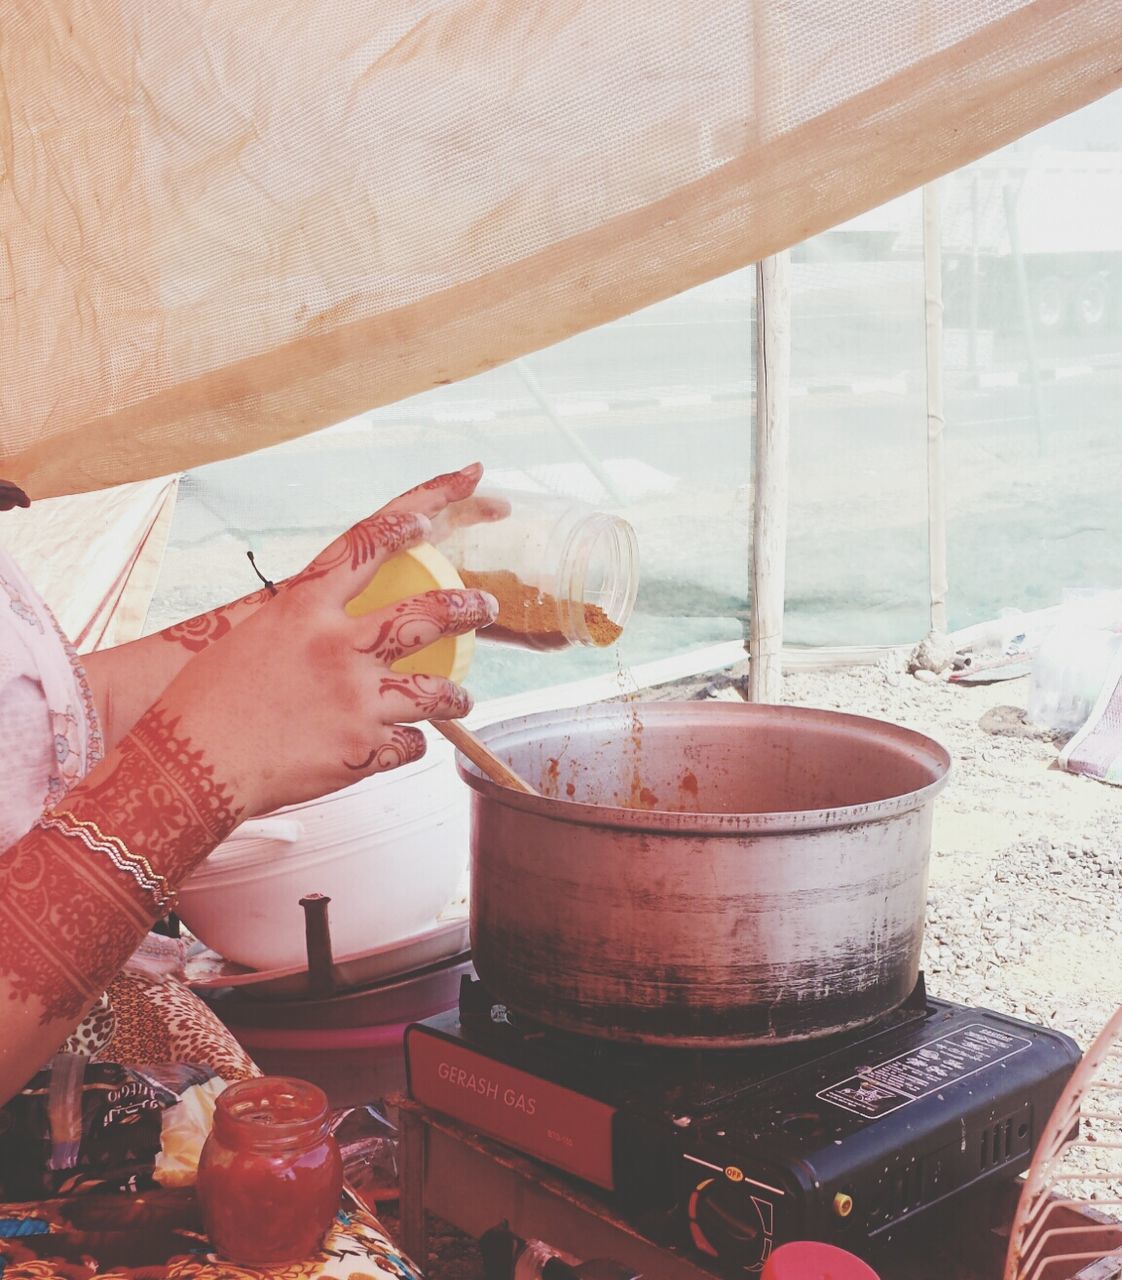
(487, 1087)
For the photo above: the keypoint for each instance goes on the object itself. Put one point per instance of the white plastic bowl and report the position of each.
(390, 852)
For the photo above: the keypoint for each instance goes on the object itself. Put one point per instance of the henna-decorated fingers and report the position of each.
(434, 495)
(300, 697)
(396, 744)
(355, 556)
(415, 623)
(480, 508)
(409, 698)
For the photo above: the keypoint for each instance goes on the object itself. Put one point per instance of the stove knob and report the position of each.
(729, 1222)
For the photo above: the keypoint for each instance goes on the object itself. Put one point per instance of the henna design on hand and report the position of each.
(458, 483)
(421, 620)
(388, 532)
(199, 632)
(430, 695)
(196, 633)
(404, 746)
(163, 797)
(69, 919)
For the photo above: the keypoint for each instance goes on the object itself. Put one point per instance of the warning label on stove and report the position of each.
(887, 1086)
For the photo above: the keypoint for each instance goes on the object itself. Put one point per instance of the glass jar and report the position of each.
(563, 573)
(270, 1174)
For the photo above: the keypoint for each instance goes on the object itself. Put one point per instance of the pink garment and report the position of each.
(49, 730)
(50, 737)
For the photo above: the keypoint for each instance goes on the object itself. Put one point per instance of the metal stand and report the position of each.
(414, 1224)
(475, 1184)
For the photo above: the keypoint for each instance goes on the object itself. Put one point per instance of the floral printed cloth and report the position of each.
(49, 731)
(157, 1235)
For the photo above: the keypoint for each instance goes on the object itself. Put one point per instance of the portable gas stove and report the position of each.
(730, 1153)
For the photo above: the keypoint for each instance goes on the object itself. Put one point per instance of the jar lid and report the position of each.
(812, 1260)
(410, 573)
(271, 1112)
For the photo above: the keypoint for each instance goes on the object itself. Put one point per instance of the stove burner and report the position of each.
(731, 1152)
(696, 1079)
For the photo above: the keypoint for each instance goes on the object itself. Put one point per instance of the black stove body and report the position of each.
(732, 1152)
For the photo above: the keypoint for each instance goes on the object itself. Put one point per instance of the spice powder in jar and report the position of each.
(564, 574)
(270, 1175)
(533, 618)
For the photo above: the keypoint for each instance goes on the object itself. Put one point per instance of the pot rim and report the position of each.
(910, 743)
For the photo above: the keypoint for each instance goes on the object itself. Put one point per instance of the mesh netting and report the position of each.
(227, 225)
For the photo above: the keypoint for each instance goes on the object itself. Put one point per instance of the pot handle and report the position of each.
(282, 830)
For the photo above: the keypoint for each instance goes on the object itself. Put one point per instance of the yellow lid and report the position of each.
(410, 572)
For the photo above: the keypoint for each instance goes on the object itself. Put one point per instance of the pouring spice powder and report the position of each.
(532, 618)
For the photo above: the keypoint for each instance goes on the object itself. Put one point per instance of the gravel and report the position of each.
(1026, 860)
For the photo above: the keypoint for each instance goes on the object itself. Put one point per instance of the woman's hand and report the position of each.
(300, 699)
(127, 679)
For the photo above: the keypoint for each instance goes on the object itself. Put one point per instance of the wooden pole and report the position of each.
(936, 472)
(1024, 298)
(770, 466)
(975, 298)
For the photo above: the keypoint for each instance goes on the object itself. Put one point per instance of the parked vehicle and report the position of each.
(1060, 214)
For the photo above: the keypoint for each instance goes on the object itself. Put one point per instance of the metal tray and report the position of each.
(205, 970)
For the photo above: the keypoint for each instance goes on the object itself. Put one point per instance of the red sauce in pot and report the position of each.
(270, 1174)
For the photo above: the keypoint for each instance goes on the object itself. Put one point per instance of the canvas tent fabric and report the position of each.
(98, 582)
(227, 225)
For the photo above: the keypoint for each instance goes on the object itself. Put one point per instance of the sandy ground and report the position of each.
(1026, 859)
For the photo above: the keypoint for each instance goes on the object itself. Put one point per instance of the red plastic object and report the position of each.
(810, 1260)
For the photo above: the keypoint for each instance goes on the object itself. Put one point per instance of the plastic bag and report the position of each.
(1074, 659)
(80, 1126)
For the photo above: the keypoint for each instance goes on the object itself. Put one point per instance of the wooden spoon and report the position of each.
(481, 755)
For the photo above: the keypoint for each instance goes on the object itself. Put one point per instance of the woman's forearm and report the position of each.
(77, 896)
(128, 678)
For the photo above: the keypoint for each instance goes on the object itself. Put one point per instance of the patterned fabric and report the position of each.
(1096, 750)
(164, 1022)
(158, 1236)
(95, 1032)
(49, 731)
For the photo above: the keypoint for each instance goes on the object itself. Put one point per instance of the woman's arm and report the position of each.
(296, 701)
(70, 916)
(128, 678)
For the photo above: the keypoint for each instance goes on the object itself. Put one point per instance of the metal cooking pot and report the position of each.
(703, 873)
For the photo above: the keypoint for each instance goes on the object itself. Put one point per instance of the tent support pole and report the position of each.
(770, 467)
(1024, 298)
(936, 472)
(583, 452)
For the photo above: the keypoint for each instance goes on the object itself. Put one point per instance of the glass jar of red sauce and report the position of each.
(270, 1174)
